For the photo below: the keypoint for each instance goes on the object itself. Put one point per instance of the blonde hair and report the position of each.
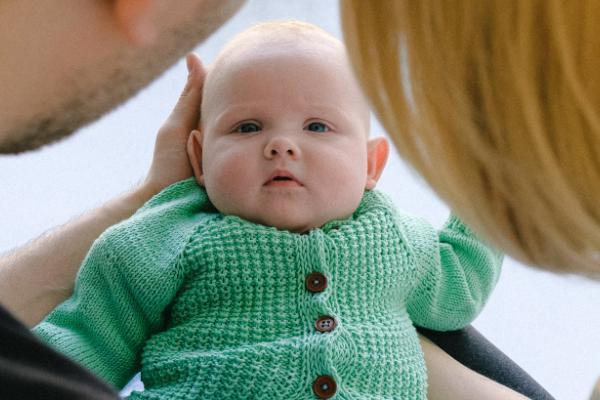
(497, 104)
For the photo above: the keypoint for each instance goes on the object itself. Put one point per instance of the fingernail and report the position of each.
(189, 63)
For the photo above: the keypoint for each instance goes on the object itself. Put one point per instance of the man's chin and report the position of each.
(84, 99)
(40, 131)
(85, 94)
(32, 137)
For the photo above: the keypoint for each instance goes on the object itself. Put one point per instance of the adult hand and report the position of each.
(170, 161)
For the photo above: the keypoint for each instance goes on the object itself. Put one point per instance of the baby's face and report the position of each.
(285, 133)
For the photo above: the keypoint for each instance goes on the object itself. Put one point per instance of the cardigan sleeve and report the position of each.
(457, 273)
(129, 277)
(106, 321)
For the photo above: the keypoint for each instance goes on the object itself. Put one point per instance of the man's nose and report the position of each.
(280, 146)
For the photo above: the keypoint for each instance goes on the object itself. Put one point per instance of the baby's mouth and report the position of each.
(284, 179)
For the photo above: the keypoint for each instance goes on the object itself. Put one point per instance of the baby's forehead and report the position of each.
(280, 33)
(262, 40)
(301, 42)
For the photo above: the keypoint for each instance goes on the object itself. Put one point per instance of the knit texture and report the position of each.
(215, 307)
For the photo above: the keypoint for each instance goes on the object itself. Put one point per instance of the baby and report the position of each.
(284, 275)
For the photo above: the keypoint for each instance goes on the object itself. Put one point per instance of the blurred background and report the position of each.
(548, 324)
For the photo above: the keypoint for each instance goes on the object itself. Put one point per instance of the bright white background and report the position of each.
(548, 324)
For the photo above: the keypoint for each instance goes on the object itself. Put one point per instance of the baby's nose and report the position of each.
(281, 147)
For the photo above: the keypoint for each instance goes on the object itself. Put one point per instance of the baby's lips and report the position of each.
(281, 173)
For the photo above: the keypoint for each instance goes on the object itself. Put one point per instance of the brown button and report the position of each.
(324, 387)
(325, 324)
(316, 282)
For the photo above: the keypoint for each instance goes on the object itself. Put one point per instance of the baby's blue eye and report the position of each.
(317, 127)
(248, 127)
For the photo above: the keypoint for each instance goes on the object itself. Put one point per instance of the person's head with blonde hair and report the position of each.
(497, 105)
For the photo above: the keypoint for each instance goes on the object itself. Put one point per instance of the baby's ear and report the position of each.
(194, 150)
(377, 155)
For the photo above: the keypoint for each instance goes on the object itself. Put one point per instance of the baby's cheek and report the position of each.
(343, 186)
(348, 171)
(231, 180)
(232, 166)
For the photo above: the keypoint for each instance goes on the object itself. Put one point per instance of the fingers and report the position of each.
(186, 113)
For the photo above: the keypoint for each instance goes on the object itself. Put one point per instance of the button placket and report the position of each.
(316, 282)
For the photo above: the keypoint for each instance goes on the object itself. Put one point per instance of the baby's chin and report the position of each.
(296, 218)
(287, 224)
(295, 224)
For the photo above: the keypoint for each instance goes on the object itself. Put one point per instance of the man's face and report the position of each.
(285, 137)
(65, 64)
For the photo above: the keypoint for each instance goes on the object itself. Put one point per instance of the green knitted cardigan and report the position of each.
(215, 307)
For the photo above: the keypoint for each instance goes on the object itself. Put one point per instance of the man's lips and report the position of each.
(283, 178)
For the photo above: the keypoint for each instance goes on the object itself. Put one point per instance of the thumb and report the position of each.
(186, 113)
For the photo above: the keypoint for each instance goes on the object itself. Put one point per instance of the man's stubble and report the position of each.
(87, 95)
